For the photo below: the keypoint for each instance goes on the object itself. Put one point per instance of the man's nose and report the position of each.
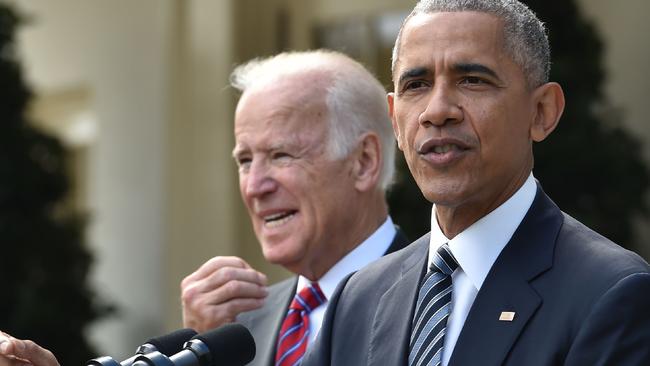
(442, 107)
(259, 180)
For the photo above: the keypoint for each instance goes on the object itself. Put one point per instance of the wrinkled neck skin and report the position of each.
(372, 211)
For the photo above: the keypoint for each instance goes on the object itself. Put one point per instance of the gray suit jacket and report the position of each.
(264, 323)
(579, 299)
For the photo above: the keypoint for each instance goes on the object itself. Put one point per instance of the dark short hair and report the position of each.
(525, 35)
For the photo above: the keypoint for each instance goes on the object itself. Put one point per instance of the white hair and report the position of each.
(525, 35)
(356, 101)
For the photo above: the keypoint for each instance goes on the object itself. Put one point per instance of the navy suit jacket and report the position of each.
(578, 298)
(264, 323)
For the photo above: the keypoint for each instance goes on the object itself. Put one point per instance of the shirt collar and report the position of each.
(477, 247)
(368, 251)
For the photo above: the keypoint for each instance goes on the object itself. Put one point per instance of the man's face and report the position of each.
(295, 194)
(461, 111)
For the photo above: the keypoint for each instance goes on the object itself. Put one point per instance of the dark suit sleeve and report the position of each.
(617, 331)
(320, 352)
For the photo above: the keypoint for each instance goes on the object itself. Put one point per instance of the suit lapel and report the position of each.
(267, 323)
(392, 321)
(485, 339)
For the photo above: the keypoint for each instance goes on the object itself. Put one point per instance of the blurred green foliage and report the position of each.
(43, 264)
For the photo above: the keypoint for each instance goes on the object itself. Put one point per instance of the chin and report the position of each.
(277, 254)
(443, 195)
(273, 256)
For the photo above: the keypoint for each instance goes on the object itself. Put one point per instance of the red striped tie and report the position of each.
(294, 334)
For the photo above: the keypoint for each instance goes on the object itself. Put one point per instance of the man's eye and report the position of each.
(280, 155)
(473, 80)
(243, 162)
(415, 84)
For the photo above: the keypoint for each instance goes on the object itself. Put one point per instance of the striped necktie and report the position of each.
(294, 334)
(432, 310)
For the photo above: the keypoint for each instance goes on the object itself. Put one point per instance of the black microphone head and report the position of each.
(230, 345)
(173, 342)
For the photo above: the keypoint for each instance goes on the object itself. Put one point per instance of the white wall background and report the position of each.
(116, 49)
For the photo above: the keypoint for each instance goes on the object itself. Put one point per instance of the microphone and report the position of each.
(228, 345)
(167, 344)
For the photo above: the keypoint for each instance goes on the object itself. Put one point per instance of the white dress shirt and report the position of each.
(368, 251)
(476, 249)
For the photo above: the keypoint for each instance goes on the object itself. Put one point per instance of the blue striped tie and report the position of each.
(432, 310)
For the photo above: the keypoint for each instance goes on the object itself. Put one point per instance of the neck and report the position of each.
(371, 214)
(455, 219)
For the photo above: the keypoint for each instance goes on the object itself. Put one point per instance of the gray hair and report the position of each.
(356, 101)
(525, 35)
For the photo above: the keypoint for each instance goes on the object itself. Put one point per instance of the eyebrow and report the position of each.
(475, 68)
(412, 73)
(459, 68)
(238, 149)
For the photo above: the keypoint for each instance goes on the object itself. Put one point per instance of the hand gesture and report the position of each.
(219, 290)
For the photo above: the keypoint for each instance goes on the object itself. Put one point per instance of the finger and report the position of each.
(8, 351)
(214, 316)
(194, 299)
(235, 290)
(8, 361)
(6, 344)
(220, 278)
(227, 275)
(199, 296)
(13, 361)
(34, 353)
(237, 306)
(227, 313)
(214, 264)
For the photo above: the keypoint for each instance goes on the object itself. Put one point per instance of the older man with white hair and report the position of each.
(315, 151)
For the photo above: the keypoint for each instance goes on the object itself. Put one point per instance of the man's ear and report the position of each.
(367, 162)
(391, 113)
(549, 105)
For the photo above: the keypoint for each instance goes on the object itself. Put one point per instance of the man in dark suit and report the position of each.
(504, 277)
(315, 152)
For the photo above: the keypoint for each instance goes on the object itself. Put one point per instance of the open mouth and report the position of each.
(443, 149)
(442, 146)
(279, 218)
(441, 152)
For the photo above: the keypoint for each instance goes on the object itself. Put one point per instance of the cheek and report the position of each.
(489, 122)
(407, 127)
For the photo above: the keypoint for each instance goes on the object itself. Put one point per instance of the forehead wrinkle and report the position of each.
(299, 112)
(279, 137)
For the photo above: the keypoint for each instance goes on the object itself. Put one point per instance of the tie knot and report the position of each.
(309, 298)
(444, 261)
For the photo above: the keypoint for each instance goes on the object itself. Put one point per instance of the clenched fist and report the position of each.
(219, 290)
